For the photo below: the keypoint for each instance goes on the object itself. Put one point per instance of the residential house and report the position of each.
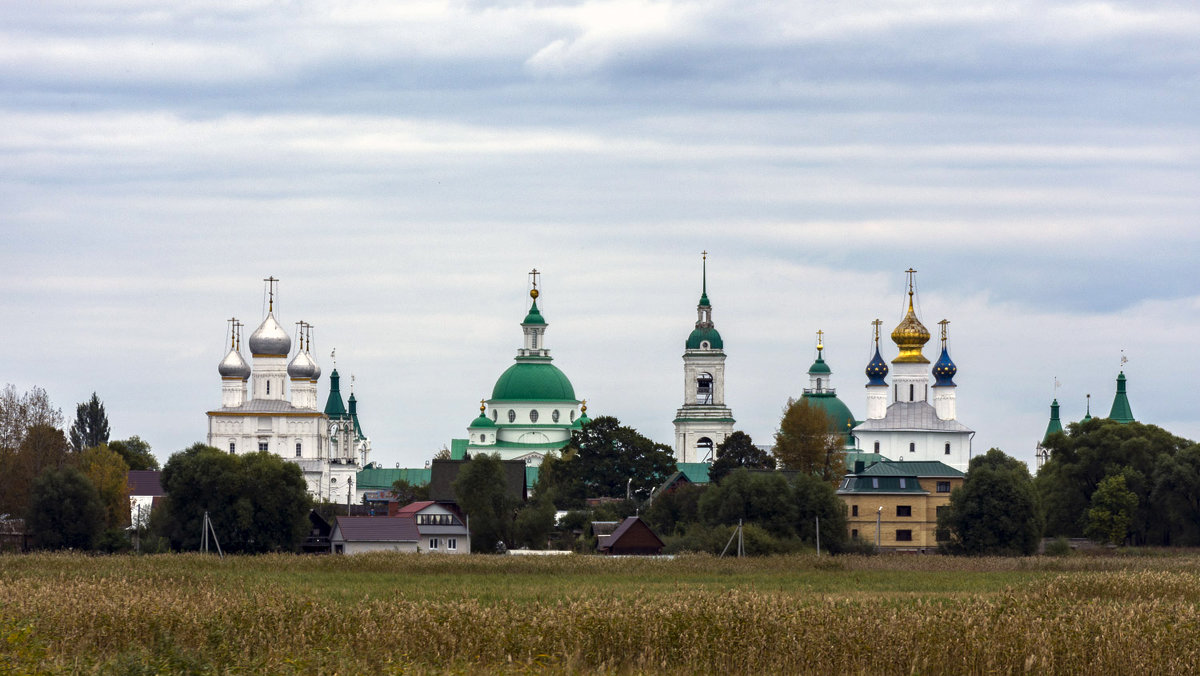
(896, 504)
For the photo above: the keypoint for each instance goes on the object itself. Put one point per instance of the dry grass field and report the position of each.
(381, 614)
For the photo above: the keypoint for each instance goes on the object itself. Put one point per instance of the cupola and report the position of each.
(910, 335)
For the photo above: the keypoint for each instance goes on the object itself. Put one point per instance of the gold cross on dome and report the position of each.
(271, 282)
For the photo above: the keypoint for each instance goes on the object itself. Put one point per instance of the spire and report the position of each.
(1055, 424)
(877, 368)
(1120, 409)
(819, 367)
(910, 335)
(534, 325)
(1088, 416)
(704, 278)
(944, 369)
(271, 282)
(334, 408)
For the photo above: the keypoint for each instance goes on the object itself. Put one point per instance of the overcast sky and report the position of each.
(402, 166)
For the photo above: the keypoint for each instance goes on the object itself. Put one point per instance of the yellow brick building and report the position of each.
(895, 504)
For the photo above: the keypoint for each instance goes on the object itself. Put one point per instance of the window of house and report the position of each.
(533, 416)
(874, 482)
(262, 446)
(854, 532)
(943, 487)
(903, 510)
(433, 544)
(297, 449)
(554, 415)
(232, 448)
(912, 447)
(903, 482)
(451, 544)
(904, 536)
(512, 415)
(854, 510)
(947, 448)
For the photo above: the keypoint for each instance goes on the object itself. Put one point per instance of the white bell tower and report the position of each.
(704, 421)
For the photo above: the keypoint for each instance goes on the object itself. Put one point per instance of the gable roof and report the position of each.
(414, 507)
(382, 478)
(146, 482)
(880, 484)
(696, 472)
(375, 529)
(918, 468)
(631, 523)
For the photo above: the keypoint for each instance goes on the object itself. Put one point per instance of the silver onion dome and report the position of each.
(316, 374)
(233, 366)
(301, 367)
(269, 339)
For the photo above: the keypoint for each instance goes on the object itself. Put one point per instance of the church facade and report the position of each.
(271, 405)
(901, 422)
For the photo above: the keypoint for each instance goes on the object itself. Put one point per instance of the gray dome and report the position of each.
(233, 366)
(270, 340)
(301, 367)
(316, 374)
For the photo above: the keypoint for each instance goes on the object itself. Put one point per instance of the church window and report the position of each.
(704, 448)
(298, 447)
(554, 415)
(512, 415)
(876, 446)
(911, 392)
(912, 447)
(533, 416)
(495, 414)
(268, 387)
(233, 448)
(947, 448)
(263, 446)
(704, 345)
(533, 339)
(818, 384)
(903, 510)
(704, 388)
(572, 416)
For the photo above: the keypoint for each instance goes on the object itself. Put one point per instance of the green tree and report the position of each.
(107, 471)
(613, 459)
(763, 498)
(803, 442)
(670, 512)
(65, 510)
(19, 412)
(1093, 450)
(534, 523)
(135, 452)
(91, 425)
(814, 499)
(738, 450)
(257, 502)
(995, 511)
(1176, 495)
(1112, 510)
(406, 492)
(481, 492)
(559, 479)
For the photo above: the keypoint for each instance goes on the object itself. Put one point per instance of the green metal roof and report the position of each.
(334, 408)
(1055, 424)
(838, 412)
(819, 366)
(534, 316)
(699, 335)
(481, 421)
(880, 484)
(867, 459)
(696, 472)
(1120, 409)
(458, 449)
(917, 468)
(376, 479)
(533, 381)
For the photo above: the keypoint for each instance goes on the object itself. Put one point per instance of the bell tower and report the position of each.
(704, 421)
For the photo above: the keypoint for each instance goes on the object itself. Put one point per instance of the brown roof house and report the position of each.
(440, 525)
(631, 537)
(360, 534)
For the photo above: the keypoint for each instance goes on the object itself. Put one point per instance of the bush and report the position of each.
(1059, 546)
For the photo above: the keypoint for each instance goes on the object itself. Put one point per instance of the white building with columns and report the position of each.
(901, 422)
(258, 413)
(704, 421)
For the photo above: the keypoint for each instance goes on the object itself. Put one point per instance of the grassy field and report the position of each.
(432, 614)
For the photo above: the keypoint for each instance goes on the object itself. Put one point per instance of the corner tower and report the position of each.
(704, 421)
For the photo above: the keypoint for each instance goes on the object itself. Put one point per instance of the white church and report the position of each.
(910, 427)
(272, 406)
(704, 421)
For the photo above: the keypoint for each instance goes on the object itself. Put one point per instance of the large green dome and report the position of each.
(839, 414)
(699, 335)
(533, 381)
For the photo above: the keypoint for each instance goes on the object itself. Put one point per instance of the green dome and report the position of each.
(482, 421)
(837, 411)
(700, 335)
(534, 316)
(819, 366)
(533, 381)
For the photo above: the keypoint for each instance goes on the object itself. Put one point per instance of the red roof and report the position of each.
(145, 482)
(376, 528)
(414, 507)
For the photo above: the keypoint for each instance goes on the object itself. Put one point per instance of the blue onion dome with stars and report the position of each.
(944, 369)
(877, 369)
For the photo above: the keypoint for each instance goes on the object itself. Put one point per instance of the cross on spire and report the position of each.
(233, 324)
(820, 340)
(944, 323)
(877, 323)
(333, 356)
(271, 282)
(1124, 359)
(704, 273)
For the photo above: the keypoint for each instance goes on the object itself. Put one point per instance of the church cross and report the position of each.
(271, 281)
(877, 323)
(820, 339)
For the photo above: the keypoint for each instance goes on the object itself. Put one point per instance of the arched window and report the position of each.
(512, 415)
(572, 416)
(533, 339)
(911, 392)
(947, 448)
(554, 415)
(876, 446)
(704, 388)
(704, 449)
(912, 447)
(232, 448)
(533, 416)
(297, 449)
(818, 384)
(268, 387)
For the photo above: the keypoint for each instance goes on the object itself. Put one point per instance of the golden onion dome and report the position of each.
(910, 336)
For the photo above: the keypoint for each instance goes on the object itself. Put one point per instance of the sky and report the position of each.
(402, 166)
